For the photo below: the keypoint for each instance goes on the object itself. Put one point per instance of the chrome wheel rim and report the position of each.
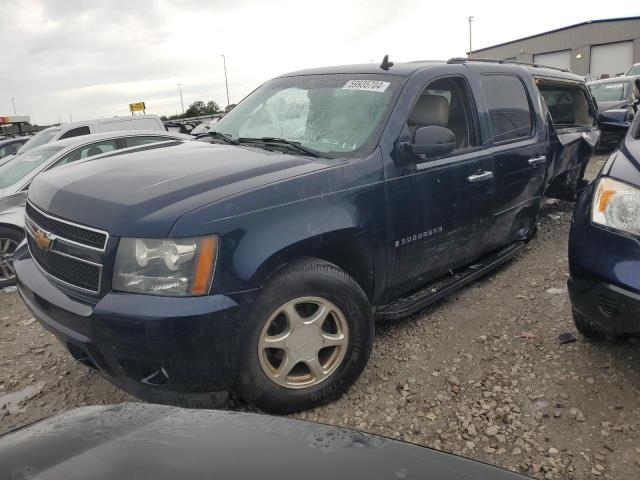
(303, 342)
(7, 247)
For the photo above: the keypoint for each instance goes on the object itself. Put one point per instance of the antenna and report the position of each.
(386, 64)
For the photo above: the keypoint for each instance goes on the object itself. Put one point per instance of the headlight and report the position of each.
(617, 205)
(176, 267)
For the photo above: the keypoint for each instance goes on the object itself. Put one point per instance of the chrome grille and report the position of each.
(73, 271)
(72, 261)
(79, 234)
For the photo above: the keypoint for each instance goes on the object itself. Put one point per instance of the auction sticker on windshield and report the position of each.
(366, 85)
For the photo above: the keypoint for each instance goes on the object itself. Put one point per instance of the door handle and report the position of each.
(480, 176)
(537, 160)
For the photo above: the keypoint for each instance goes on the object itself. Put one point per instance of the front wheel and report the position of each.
(9, 240)
(310, 337)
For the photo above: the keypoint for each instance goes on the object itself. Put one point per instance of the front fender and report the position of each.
(336, 214)
(12, 211)
(335, 228)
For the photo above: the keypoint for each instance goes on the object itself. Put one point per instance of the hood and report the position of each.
(144, 193)
(612, 105)
(146, 441)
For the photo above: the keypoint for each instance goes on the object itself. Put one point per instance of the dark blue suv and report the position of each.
(604, 246)
(257, 262)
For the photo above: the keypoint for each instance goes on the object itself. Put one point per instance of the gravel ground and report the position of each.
(481, 374)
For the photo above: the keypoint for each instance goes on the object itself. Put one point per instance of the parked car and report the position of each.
(101, 125)
(205, 126)
(617, 101)
(156, 442)
(329, 197)
(16, 176)
(10, 146)
(633, 70)
(603, 246)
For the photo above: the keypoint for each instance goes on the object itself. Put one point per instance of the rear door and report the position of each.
(519, 147)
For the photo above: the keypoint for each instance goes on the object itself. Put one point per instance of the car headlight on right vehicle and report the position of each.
(617, 205)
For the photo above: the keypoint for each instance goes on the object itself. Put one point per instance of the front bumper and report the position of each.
(613, 309)
(167, 349)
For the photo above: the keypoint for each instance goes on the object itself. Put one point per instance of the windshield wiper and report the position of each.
(223, 136)
(280, 142)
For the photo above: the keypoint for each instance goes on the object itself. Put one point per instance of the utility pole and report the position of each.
(224, 61)
(13, 100)
(470, 20)
(181, 102)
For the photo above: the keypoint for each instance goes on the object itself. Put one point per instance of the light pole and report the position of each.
(470, 20)
(181, 102)
(13, 100)
(226, 83)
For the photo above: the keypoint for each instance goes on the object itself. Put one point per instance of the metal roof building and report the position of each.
(601, 47)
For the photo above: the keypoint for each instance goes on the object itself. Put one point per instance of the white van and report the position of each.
(75, 129)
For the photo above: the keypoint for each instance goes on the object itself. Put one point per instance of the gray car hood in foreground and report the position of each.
(145, 441)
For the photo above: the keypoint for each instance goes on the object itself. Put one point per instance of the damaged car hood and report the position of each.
(146, 441)
(144, 193)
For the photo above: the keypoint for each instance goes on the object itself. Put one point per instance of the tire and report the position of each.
(303, 291)
(9, 240)
(586, 328)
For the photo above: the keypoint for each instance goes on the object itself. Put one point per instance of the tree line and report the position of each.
(198, 109)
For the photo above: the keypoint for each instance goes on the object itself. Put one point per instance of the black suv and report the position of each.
(326, 199)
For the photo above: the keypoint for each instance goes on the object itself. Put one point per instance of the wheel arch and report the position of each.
(347, 249)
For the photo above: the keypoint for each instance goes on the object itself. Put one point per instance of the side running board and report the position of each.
(447, 285)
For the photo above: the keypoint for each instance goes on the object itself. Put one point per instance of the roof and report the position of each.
(622, 79)
(9, 140)
(588, 22)
(402, 69)
(102, 120)
(406, 69)
(85, 139)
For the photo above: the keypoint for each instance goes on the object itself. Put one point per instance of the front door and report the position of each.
(437, 213)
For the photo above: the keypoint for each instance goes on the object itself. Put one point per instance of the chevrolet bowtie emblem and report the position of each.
(43, 240)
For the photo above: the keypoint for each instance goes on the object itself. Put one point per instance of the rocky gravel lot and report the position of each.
(481, 374)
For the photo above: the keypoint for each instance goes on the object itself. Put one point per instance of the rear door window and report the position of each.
(144, 140)
(510, 112)
(567, 103)
(76, 132)
(87, 151)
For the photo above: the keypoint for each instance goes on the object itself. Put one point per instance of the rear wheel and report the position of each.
(9, 240)
(311, 334)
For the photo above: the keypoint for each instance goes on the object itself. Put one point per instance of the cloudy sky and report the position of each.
(91, 58)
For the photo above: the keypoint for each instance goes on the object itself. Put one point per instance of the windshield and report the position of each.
(608, 92)
(21, 165)
(334, 115)
(41, 138)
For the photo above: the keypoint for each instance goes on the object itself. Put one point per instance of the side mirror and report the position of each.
(432, 141)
